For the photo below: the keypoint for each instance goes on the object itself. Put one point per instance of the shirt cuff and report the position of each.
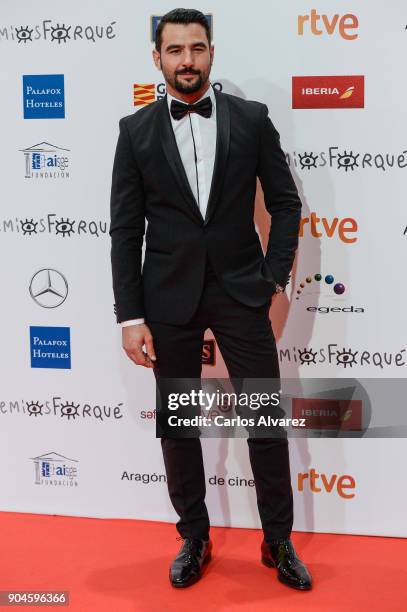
(132, 322)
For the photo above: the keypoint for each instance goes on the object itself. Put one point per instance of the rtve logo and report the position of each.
(322, 24)
(312, 480)
(321, 226)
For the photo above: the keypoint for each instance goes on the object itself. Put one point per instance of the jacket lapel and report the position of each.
(221, 154)
(170, 148)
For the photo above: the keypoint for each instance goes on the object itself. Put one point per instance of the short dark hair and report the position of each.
(181, 15)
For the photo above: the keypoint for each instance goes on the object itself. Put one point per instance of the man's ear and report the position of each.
(157, 59)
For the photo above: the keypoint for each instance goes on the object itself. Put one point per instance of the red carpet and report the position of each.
(122, 566)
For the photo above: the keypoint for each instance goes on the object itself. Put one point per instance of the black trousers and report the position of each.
(246, 340)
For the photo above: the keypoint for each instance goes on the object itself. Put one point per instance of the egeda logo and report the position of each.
(44, 96)
(50, 347)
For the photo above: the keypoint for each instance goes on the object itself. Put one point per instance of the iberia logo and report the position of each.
(328, 91)
(143, 94)
(347, 93)
(328, 413)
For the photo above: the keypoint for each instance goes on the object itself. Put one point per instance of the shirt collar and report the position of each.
(209, 92)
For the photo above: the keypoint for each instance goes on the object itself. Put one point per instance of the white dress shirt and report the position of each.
(193, 128)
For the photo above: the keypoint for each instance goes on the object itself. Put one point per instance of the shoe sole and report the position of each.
(270, 563)
(193, 580)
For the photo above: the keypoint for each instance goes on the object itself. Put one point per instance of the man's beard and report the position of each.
(183, 87)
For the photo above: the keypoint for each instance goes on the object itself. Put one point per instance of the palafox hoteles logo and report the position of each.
(50, 347)
(45, 160)
(53, 469)
(44, 96)
(328, 91)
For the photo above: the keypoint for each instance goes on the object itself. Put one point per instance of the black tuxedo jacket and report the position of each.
(149, 183)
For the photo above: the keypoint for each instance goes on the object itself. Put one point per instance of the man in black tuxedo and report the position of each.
(188, 165)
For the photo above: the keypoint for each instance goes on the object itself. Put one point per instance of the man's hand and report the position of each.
(134, 337)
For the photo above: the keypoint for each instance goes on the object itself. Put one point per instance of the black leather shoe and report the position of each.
(291, 571)
(186, 567)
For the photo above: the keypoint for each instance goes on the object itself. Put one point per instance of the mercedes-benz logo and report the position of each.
(48, 288)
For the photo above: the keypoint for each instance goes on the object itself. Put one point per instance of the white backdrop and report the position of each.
(76, 440)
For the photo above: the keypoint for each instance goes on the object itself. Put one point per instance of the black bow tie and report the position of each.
(203, 107)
